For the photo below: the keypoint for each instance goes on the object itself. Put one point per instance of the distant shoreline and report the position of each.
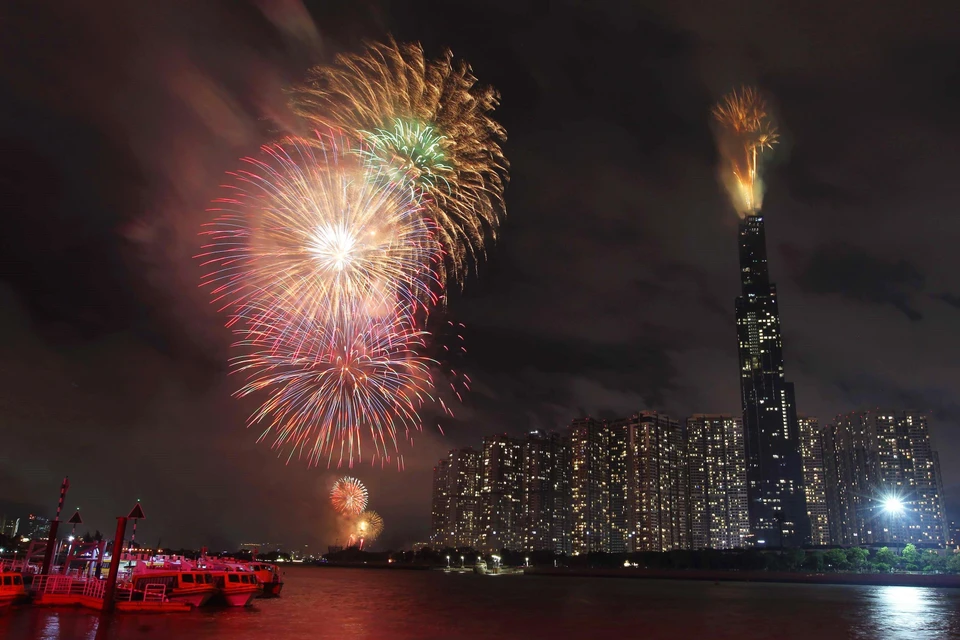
(868, 579)
(864, 579)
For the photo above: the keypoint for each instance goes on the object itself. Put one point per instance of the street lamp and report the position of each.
(448, 562)
(462, 559)
(526, 562)
(893, 505)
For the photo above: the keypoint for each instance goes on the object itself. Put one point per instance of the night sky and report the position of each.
(611, 289)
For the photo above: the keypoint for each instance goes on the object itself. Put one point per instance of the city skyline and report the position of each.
(650, 482)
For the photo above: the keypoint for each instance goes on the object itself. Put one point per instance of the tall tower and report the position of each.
(777, 505)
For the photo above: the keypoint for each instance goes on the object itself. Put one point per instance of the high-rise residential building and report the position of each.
(501, 493)
(464, 483)
(620, 471)
(589, 486)
(852, 477)
(777, 504)
(883, 480)
(718, 482)
(814, 480)
(923, 501)
(9, 526)
(38, 527)
(545, 505)
(657, 497)
(440, 530)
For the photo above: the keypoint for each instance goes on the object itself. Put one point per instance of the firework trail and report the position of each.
(427, 126)
(306, 236)
(369, 527)
(349, 496)
(745, 132)
(336, 382)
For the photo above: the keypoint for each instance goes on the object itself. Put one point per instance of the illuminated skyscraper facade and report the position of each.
(777, 504)
(814, 480)
(440, 530)
(501, 493)
(718, 482)
(658, 486)
(589, 486)
(883, 480)
(546, 492)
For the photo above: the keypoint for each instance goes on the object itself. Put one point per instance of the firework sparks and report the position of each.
(302, 239)
(427, 126)
(369, 527)
(349, 496)
(746, 131)
(336, 382)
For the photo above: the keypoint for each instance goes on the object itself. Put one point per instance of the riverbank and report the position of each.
(872, 579)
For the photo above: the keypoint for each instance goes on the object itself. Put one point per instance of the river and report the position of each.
(321, 603)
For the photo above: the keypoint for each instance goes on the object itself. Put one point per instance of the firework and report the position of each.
(349, 496)
(427, 126)
(746, 131)
(307, 235)
(369, 527)
(336, 382)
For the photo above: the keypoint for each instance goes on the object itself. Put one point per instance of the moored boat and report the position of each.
(11, 588)
(195, 588)
(269, 576)
(236, 588)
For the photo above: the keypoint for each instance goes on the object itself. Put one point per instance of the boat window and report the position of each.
(209, 578)
(187, 577)
(233, 577)
(17, 580)
(7, 581)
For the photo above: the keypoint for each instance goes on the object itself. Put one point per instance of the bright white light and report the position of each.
(893, 505)
(70, 538)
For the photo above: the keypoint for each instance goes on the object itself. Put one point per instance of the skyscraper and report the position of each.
(852, 479)
(922, 494)
(718, 482)
(621, 471)
(465, 484)
(589, 489)
(545, 505)
(811, 447)
(883, 480)
(777, 505)
(440, 532)
(658, 490)
(501, 493)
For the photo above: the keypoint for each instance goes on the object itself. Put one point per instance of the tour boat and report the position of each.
(236, 588)
(269, 577)
(11, 588)
(191, 587)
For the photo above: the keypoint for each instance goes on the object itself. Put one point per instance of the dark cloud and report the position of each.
(854, 273)
(610, 288)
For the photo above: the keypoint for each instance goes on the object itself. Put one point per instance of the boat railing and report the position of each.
(51, 583)
(94, 588)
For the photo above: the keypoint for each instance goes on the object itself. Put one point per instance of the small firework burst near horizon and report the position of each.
(746, 131)
(369, 527)
(426, 125)
(348, 496)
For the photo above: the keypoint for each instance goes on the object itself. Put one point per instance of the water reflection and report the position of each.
(340, 604)
(901, 613)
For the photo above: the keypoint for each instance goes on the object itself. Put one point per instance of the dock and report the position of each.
(67, 591)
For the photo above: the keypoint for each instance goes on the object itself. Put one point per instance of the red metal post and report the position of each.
(111, 587)
(52, 539)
